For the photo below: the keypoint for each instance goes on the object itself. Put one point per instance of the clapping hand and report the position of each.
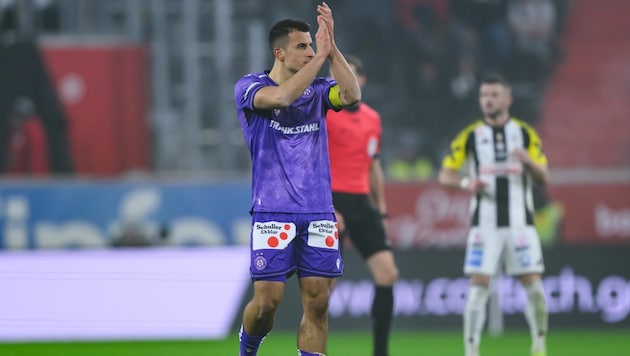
(323, 39)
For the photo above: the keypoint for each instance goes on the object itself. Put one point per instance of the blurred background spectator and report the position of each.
(27, 149)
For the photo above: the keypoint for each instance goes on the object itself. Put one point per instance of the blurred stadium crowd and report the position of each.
(423, 59)
(427, 55)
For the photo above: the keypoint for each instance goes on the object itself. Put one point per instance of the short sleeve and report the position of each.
(245, 90)
(535, 149)
(458, 153)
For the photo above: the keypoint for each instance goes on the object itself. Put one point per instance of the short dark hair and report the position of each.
(356, 62)
(281, 29)
(495, 78)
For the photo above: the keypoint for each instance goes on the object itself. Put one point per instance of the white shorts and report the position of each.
(518, 248)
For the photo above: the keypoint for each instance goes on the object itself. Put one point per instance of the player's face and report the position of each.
(494, 99)
(299, 50)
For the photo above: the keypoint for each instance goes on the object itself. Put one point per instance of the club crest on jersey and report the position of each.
(308, 92)
(276, 112)
(272, 235)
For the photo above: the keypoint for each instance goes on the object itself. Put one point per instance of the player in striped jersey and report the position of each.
(503, 157)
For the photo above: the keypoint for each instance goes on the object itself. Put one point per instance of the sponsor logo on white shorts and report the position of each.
(272, 235)
(323, 233)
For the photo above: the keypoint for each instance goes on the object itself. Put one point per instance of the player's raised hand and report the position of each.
(323, 41)
(521, 155)
(477, 186)
(473, 185)
(326, 13)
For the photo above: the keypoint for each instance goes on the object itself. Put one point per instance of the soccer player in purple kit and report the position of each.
(282, 116)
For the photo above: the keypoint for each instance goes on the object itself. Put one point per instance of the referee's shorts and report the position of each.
(363, 223)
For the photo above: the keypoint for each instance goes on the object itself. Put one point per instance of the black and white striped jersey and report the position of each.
(485, 152)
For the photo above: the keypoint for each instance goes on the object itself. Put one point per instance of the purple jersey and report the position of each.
(288, 148)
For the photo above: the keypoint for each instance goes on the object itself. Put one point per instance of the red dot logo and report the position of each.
(330, 242)
(273, 241)
(284, 235)
(287, 227)
(336, 234)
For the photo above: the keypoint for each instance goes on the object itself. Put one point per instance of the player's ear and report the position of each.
(278, 53)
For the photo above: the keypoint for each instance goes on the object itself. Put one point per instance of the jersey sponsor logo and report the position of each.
(292, 130)
(324, 234)
(501, 168)
(272, 235)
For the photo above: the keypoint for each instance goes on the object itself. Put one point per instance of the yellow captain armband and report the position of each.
(334, 96)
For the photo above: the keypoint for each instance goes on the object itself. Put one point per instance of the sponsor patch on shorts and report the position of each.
(272, 235)
(324, 234)
(475, 257)
(525, 259)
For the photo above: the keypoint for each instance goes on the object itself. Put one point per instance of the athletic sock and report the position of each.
(474, 317)
(382, 311)
(249, 344)
(536, 314)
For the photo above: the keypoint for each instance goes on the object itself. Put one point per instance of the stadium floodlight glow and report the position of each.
(149, 293)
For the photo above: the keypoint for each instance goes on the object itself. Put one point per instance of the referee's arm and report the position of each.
(377, 187)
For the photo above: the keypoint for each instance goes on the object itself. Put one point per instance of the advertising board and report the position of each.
(98, 214)
(585, 287)
(174, 293)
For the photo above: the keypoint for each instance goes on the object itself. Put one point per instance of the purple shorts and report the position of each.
(282, 244)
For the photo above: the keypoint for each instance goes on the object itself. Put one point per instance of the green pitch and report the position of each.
(403, 343)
